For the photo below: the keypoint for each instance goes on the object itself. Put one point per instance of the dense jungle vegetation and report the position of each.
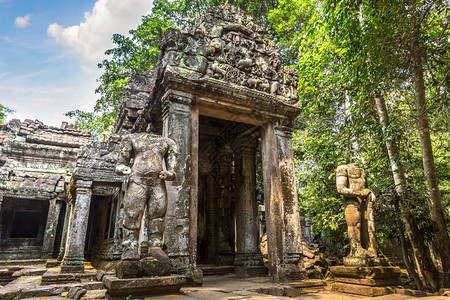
(374, 89)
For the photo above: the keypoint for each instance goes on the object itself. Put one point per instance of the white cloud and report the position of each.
(22, 22)
(91, 70)
(48, 104)
(93, 36)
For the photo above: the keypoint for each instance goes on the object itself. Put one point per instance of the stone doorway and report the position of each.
(228, 231)
(23, 226)
(100, 229)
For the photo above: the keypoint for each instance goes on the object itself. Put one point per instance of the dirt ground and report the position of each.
(228, 287)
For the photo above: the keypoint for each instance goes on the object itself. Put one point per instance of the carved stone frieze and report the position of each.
(226, 45)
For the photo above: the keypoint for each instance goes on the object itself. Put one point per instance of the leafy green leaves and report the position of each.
(4, 111)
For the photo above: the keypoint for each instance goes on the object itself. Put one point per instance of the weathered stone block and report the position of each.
(366, 272)
(369, 281)
(44, 291)
(139, 287)
(99, 275)
(128, 269)
(76, 292)
(157, 264)
(408, 292)
(194, 276)
(357, 289)
(365, 261)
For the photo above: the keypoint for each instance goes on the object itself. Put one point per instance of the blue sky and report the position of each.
(49, 51)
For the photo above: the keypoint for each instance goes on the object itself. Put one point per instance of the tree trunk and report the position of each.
(409, 265)
(434, 197)
(415, 237)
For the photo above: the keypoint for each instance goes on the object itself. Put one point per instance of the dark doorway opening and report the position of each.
(23, 219)
(26, 224)
(221, 147)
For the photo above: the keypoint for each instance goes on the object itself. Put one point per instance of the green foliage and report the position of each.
(4, 111)
(135, 53)
(347, 51)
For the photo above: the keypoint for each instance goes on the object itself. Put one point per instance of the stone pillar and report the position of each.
(74, 258)
(292, 247)
(62, 248)
(50, 228)
(248, 260)
(225, 223)
(180, 123)
(273, 201)
(117, 253)
(1, 215)
(211, 218)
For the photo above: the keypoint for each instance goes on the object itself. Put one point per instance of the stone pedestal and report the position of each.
(367, 279)
(142, 287)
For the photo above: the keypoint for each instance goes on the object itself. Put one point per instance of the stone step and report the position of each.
(52, 277)
(22, 262)
(30, 288)
(51, 263)
(209, 270)
(308, 286)
(6, 276)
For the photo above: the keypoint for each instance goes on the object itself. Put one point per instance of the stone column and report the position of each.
(74, 259)
(180, 123)
(50, 228)
(62, 248)
(224, 214)
(292, 248)
(248, 260)
(1, 215)
(211, 218)
(117, 254)
(273, 201)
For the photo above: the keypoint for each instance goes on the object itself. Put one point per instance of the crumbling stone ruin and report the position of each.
(36, 162)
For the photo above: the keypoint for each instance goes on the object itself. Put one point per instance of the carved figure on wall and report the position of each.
(142, 157)
(351, 182)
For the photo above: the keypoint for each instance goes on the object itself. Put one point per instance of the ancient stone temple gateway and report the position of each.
(221, 93)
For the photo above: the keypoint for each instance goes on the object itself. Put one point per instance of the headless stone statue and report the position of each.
(142, 156)
(352, 184)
